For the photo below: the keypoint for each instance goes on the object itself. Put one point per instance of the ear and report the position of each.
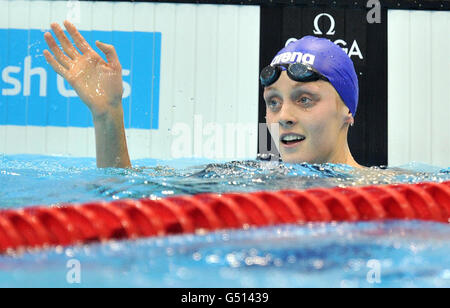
(349, 119)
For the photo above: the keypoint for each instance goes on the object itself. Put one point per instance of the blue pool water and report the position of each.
(370, 254)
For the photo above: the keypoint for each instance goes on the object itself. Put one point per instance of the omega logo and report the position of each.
(317, 30)
(354, 49)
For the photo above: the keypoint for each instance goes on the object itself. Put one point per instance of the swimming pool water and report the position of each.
(406, 253)
(44, 180)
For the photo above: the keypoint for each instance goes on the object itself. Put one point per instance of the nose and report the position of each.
(286, 123)
(286, 119)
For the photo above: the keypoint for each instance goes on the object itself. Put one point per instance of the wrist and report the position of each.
(113, 112)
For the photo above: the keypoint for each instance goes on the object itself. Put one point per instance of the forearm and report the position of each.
(110, 139)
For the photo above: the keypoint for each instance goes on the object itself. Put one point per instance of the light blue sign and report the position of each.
(31, 93)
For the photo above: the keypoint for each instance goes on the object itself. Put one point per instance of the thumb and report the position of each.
(110, 53)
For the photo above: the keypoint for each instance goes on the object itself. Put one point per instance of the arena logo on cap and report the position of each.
(291, 57)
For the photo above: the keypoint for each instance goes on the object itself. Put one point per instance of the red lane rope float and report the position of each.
(340, 207)
(146, 221)
(35, 227)
(313, 207)
(369, 208)
(231, 214)
(394, 203)
(286, 209)
(440, 193)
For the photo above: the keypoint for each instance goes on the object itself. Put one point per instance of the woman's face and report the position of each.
(311, 118)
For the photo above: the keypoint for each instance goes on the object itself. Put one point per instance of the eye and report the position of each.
(273, 104)
(305, 100)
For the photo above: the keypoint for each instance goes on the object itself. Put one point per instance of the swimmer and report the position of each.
(310, 90)
(311, 95)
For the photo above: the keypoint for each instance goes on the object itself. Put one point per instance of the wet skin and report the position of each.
(99, 86)
(314, 111)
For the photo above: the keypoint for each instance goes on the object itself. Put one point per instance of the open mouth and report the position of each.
(291, 139)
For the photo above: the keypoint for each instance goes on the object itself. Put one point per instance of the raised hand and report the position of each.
(97, 83)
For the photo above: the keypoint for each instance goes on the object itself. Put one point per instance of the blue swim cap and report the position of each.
(328, 59)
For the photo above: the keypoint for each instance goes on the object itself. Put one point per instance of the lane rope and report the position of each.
(71, 224)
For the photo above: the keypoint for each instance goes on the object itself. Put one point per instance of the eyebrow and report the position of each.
(294, 93)
(272, 91)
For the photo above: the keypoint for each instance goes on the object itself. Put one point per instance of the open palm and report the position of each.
(97, 83)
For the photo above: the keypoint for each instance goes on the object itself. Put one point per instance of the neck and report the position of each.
(344, 156)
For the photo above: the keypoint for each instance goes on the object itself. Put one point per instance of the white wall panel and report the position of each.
(421, 96)
(208, 83)
(418, 91)
(183, 67)
(440, 89)
(165, 20)
(206, 60)
(227, 70)
(247, 40)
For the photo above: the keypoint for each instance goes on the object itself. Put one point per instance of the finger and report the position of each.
(69, 49)
(59, 55)
(110, 53)
(59, 69)
(79, 40)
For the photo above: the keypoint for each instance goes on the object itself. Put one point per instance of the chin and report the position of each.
(297, 158)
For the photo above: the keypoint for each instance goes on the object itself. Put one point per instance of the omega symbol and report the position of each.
(317, 30)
